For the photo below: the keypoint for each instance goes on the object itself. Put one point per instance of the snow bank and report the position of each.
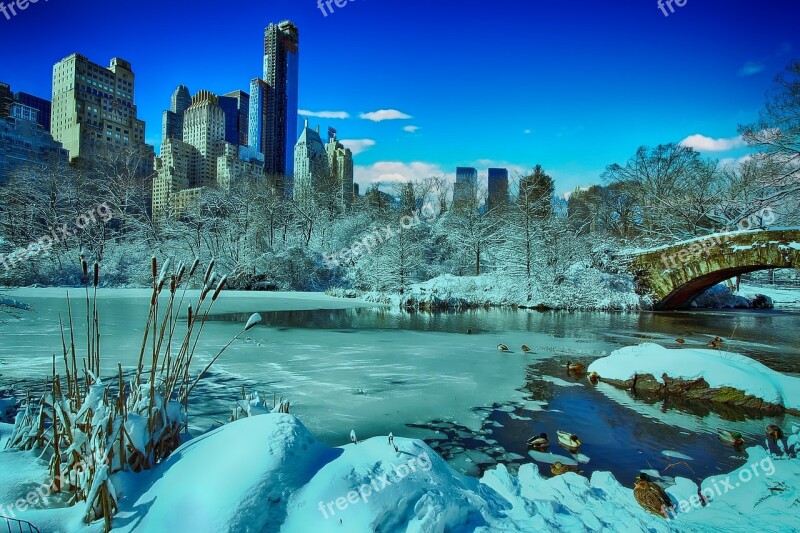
(268, 473)
(718, 368)
(582, 288)
(236, 478)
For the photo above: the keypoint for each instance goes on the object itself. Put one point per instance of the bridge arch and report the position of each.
(675, 275)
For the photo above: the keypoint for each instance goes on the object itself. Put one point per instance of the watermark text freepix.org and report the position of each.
(326, 6)
(40, 497)
(664, 4)
(722, 486)
(103, 212)
(376, 484)
(378, 236)
(10, 9)
(704, 245)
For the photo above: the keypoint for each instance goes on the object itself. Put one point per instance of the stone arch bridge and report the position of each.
(674, 275)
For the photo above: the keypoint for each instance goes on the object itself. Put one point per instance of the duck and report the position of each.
(575, 367)
(680, 340)
(651, 496)
(594, 377)
(526, 348)
(774, 432)
(559, 468)
(568, 440)
(731, 437)
(714, 343)
(539, 442)
(502, 347)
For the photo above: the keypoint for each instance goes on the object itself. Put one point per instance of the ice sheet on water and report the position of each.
(560, 382)
(676, 455)
(550, 458)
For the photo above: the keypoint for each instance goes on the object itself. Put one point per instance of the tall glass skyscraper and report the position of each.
(257, 123)
(498, 188)
(281, 72)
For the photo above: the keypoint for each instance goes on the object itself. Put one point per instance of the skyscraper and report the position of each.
(93, 108)
(498, 188)
(201, 159)
(172, 120)
(312, 173)
(340, 163)
(243, 120)
(281, 70)
(257, 121)
(465, 189)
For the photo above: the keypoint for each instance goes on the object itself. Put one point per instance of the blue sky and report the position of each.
(570, 85)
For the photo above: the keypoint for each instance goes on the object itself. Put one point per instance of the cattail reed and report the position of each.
(209, 270)
(154, 265)
(194, 266)
(220, 285)
(96, 274)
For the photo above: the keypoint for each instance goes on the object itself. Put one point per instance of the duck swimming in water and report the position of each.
(733, 438)
(502, 347)
(526, 348)
(575, 367)
(568, 440)
(539, 442)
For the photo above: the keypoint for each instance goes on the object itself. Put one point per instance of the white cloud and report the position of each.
(734, 162)
(410, 129)
(751, 68)
(385, 114)
(358, 146)
(701, 143)
(397, 171)
(323, 114)
(514, 169)
(526, 131)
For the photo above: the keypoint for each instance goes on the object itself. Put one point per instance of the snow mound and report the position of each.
(236, 478)
(719, 369)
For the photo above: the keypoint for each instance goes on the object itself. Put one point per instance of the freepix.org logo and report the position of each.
(11, 9)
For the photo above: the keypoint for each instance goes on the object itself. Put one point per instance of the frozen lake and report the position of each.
(348, 365)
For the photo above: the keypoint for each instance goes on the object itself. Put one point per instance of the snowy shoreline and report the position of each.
(280, 477)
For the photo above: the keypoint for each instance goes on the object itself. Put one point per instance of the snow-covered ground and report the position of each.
(781, 298)
(719, 368)
(582, 288)
(269, 473)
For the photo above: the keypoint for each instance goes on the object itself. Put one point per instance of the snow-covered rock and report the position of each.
(718, 368)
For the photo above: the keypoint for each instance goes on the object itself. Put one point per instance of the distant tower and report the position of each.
(312, 171)
(93, 109)
(465, 190)
(257, 121)
(243, 119)
(340, 163)
(498, 188)
(172, 120)
(204, 128)
(281, 70)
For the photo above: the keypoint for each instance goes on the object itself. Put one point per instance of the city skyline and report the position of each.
(665, 89)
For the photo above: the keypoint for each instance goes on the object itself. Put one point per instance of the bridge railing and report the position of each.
(18, 526)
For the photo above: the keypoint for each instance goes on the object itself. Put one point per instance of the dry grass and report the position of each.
(92, 429)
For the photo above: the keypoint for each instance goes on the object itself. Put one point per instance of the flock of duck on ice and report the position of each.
(648, 494)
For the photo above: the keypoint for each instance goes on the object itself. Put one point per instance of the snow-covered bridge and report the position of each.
(675, 274)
